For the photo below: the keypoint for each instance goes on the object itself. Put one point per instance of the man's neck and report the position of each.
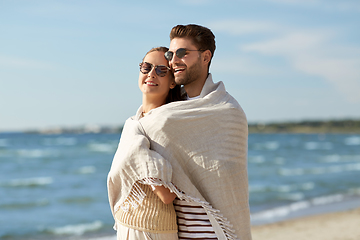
(194, 89)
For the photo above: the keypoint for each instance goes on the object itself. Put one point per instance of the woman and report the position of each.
(142, 208)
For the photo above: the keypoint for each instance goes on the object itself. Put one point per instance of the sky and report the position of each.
(72, 63)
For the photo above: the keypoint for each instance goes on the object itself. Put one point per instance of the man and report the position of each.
(191, 50)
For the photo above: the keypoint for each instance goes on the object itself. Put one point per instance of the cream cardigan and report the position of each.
(196, 148)
(152, 215)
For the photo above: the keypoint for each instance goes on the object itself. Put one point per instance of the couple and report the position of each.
(180, 170)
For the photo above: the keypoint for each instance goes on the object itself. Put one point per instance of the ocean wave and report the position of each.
(340, 158)
(77, 200)
(5, 153)
(279, 211)
(328, 199)
(102, 147)
(271, 145)
(319, 170)
(354, 191)
(4, 142)
(76, 230)
(294, 196)
(87, 170)
(256, 159)
(286, 188)
(259, 159)
(26, 204)
(282, 212)
(280, 160)
(60, 141)
(352, 141)
(37, 153)
(318, 145)
(28, 182)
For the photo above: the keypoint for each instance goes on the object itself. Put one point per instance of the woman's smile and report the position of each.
(151, 83)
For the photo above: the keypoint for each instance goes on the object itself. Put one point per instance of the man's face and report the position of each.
(188, 68)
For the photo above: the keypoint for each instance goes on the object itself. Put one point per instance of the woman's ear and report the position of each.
(172, 85)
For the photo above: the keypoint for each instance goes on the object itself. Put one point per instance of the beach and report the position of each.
(343, 225)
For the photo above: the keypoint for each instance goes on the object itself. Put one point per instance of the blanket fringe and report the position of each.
(222, 221)
(135, 198)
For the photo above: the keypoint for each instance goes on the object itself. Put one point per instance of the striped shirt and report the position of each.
(193, 222)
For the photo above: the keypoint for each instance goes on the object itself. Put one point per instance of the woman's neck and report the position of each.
(149, 103)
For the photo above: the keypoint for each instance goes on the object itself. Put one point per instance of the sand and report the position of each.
(331, 226)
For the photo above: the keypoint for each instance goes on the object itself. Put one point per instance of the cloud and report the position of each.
(342, 73)
(242, 27)
(290, 44)
(244, 65)
(312, 52)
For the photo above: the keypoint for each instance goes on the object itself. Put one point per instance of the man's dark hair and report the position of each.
(201, 37)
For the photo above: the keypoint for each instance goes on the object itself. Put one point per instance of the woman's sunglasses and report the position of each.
(160, 70)
(180, 53)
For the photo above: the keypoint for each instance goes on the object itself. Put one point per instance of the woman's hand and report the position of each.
(164, 194)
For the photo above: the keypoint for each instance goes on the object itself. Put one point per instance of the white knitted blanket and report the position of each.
(196, 148)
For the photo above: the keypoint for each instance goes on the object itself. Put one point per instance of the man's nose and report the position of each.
(174, 60)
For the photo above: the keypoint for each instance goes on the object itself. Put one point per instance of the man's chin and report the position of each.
(180, 81)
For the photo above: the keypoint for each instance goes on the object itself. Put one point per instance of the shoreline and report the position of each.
(333, 221)
(325, 226)
(306, 208)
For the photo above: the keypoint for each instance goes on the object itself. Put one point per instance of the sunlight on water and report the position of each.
(102, 147)
(256, 159)
(28, 182)
(37, 153)
(283, 188)
(352, 141)
(273, 145)
(320, 170)
(65, 141)
(318, 145)
(3, 142)
(87, 170)
(77, 230)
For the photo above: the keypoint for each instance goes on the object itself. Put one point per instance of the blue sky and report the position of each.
(72, 63)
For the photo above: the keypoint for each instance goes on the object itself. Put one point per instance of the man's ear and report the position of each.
(207, 56)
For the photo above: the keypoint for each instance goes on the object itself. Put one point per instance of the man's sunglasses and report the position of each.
(180, 53)
(160, 70)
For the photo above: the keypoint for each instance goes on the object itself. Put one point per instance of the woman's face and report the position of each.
(153, 85)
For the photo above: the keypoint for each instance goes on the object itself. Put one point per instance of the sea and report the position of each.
(53, 186)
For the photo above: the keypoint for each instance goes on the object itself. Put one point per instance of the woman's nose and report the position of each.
(152, 73)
